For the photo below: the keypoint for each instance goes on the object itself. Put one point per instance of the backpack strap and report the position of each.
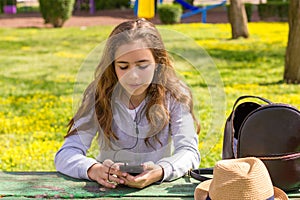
(199, 174)
(250, 96)
(229, 131)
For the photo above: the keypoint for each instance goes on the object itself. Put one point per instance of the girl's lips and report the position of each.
(135, 85)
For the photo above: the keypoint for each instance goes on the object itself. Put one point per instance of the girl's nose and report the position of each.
(133, 73)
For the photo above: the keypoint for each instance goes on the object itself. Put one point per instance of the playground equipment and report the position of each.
(92, 8)
(195, 10)
(144, 8)
(9, 7)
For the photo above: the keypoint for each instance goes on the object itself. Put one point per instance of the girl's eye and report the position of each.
(143, 66)
(123, 67)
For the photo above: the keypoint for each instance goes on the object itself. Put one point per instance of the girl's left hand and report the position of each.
(152, 173)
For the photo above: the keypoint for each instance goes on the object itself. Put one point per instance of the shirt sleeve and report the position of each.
(71, 157)
(185, 140)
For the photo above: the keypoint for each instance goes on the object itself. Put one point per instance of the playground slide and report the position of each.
(195, 10)
(186, 5)
(146, 9)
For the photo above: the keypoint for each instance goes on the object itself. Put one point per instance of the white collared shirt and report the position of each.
(177, 154)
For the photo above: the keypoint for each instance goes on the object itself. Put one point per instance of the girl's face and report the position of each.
(135, 67)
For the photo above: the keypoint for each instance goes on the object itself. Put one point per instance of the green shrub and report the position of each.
(274, 9)
(56, 12)
(190, 2)
(1, 6)
(9, 2)
(169, 13)
(84, 5)
(111, 4)
(248, 8)
(266, 10)
(283, 11)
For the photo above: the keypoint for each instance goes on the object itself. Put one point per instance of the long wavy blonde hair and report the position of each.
(99, 93)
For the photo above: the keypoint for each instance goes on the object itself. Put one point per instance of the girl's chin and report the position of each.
(136, 92)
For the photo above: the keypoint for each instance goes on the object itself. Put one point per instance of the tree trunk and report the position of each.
(238, 19)
(292, 58)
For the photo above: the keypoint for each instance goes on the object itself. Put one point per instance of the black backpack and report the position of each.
(269, 131)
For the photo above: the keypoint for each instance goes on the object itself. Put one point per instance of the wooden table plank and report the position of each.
(56, 185)
(45, 185)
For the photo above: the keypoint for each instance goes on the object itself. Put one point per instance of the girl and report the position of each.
(140, 111)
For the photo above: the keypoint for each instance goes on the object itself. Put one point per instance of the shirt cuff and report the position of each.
(168, 170)
(86, 165)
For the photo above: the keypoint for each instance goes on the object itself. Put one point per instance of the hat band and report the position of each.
(270, 198)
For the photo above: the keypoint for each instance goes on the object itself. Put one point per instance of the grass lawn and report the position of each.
(43, 72)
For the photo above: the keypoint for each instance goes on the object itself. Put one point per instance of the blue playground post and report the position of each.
(195, 10)
(204, 14)
(135, 8)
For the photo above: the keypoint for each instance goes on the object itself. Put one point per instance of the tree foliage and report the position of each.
(56, 12)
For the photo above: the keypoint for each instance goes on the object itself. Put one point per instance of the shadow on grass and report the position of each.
(29, 86)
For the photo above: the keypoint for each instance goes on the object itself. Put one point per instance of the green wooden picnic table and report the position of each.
(53, 185)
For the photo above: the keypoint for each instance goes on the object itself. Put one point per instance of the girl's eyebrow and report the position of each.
(139, 61)
(142, 61)
(122, 62)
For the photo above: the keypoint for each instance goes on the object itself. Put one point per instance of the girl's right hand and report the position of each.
(106, 174)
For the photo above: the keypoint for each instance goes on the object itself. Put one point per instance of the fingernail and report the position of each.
(121, 181)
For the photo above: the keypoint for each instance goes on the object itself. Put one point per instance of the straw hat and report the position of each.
(243, 178)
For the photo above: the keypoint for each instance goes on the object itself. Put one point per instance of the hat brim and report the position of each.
(201, 192)
(279, 194)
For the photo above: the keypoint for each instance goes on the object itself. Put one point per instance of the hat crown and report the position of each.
(245, 178)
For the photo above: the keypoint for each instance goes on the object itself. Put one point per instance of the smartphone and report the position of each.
(132, 169)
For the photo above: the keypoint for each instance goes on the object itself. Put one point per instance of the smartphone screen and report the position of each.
(132, 169)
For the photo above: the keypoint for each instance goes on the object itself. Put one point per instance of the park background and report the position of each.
(39, 66)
